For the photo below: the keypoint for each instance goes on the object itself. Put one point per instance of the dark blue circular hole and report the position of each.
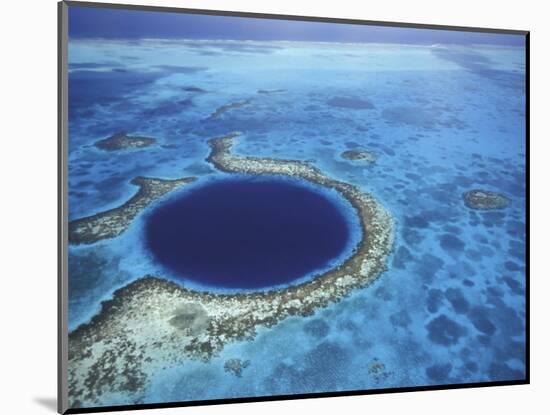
(247, 233)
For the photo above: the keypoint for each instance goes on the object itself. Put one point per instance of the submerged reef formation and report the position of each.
(122, 141)
(485, 199)
(236, 366)
(359, 155)
(350, 103)
(227, 107)
(152, 323)
(270, 91)
(377, 370)
(193, 89)
(113, 222)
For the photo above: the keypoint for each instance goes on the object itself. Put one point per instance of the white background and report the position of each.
(28, 204)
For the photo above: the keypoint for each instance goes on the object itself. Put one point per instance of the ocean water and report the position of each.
(441, 120)
(250, 232)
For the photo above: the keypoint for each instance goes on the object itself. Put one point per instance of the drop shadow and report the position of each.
(48, 403)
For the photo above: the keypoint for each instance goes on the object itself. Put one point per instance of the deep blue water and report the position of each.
(85, 22)
(246, 233)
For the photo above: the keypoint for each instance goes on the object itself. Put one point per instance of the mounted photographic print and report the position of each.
(257, 207)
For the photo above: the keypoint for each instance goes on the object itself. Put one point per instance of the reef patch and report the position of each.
(359, 155)
(485, 199)
(227, 107)
(111, 223)
(350, 103)
(123, 141)
(236, 366)
(270, 91)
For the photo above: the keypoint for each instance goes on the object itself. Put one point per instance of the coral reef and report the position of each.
(122, 141)
(113, 222)
(270, 91)
(227, 107)
(359, 155)
(152, 323)
(378, 371)
(350, 103)
(236, 366)
(484, 199)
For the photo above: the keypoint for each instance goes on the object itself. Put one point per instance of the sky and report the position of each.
(93, 22)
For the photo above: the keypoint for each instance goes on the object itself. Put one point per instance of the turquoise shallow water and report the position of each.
(441, 120)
